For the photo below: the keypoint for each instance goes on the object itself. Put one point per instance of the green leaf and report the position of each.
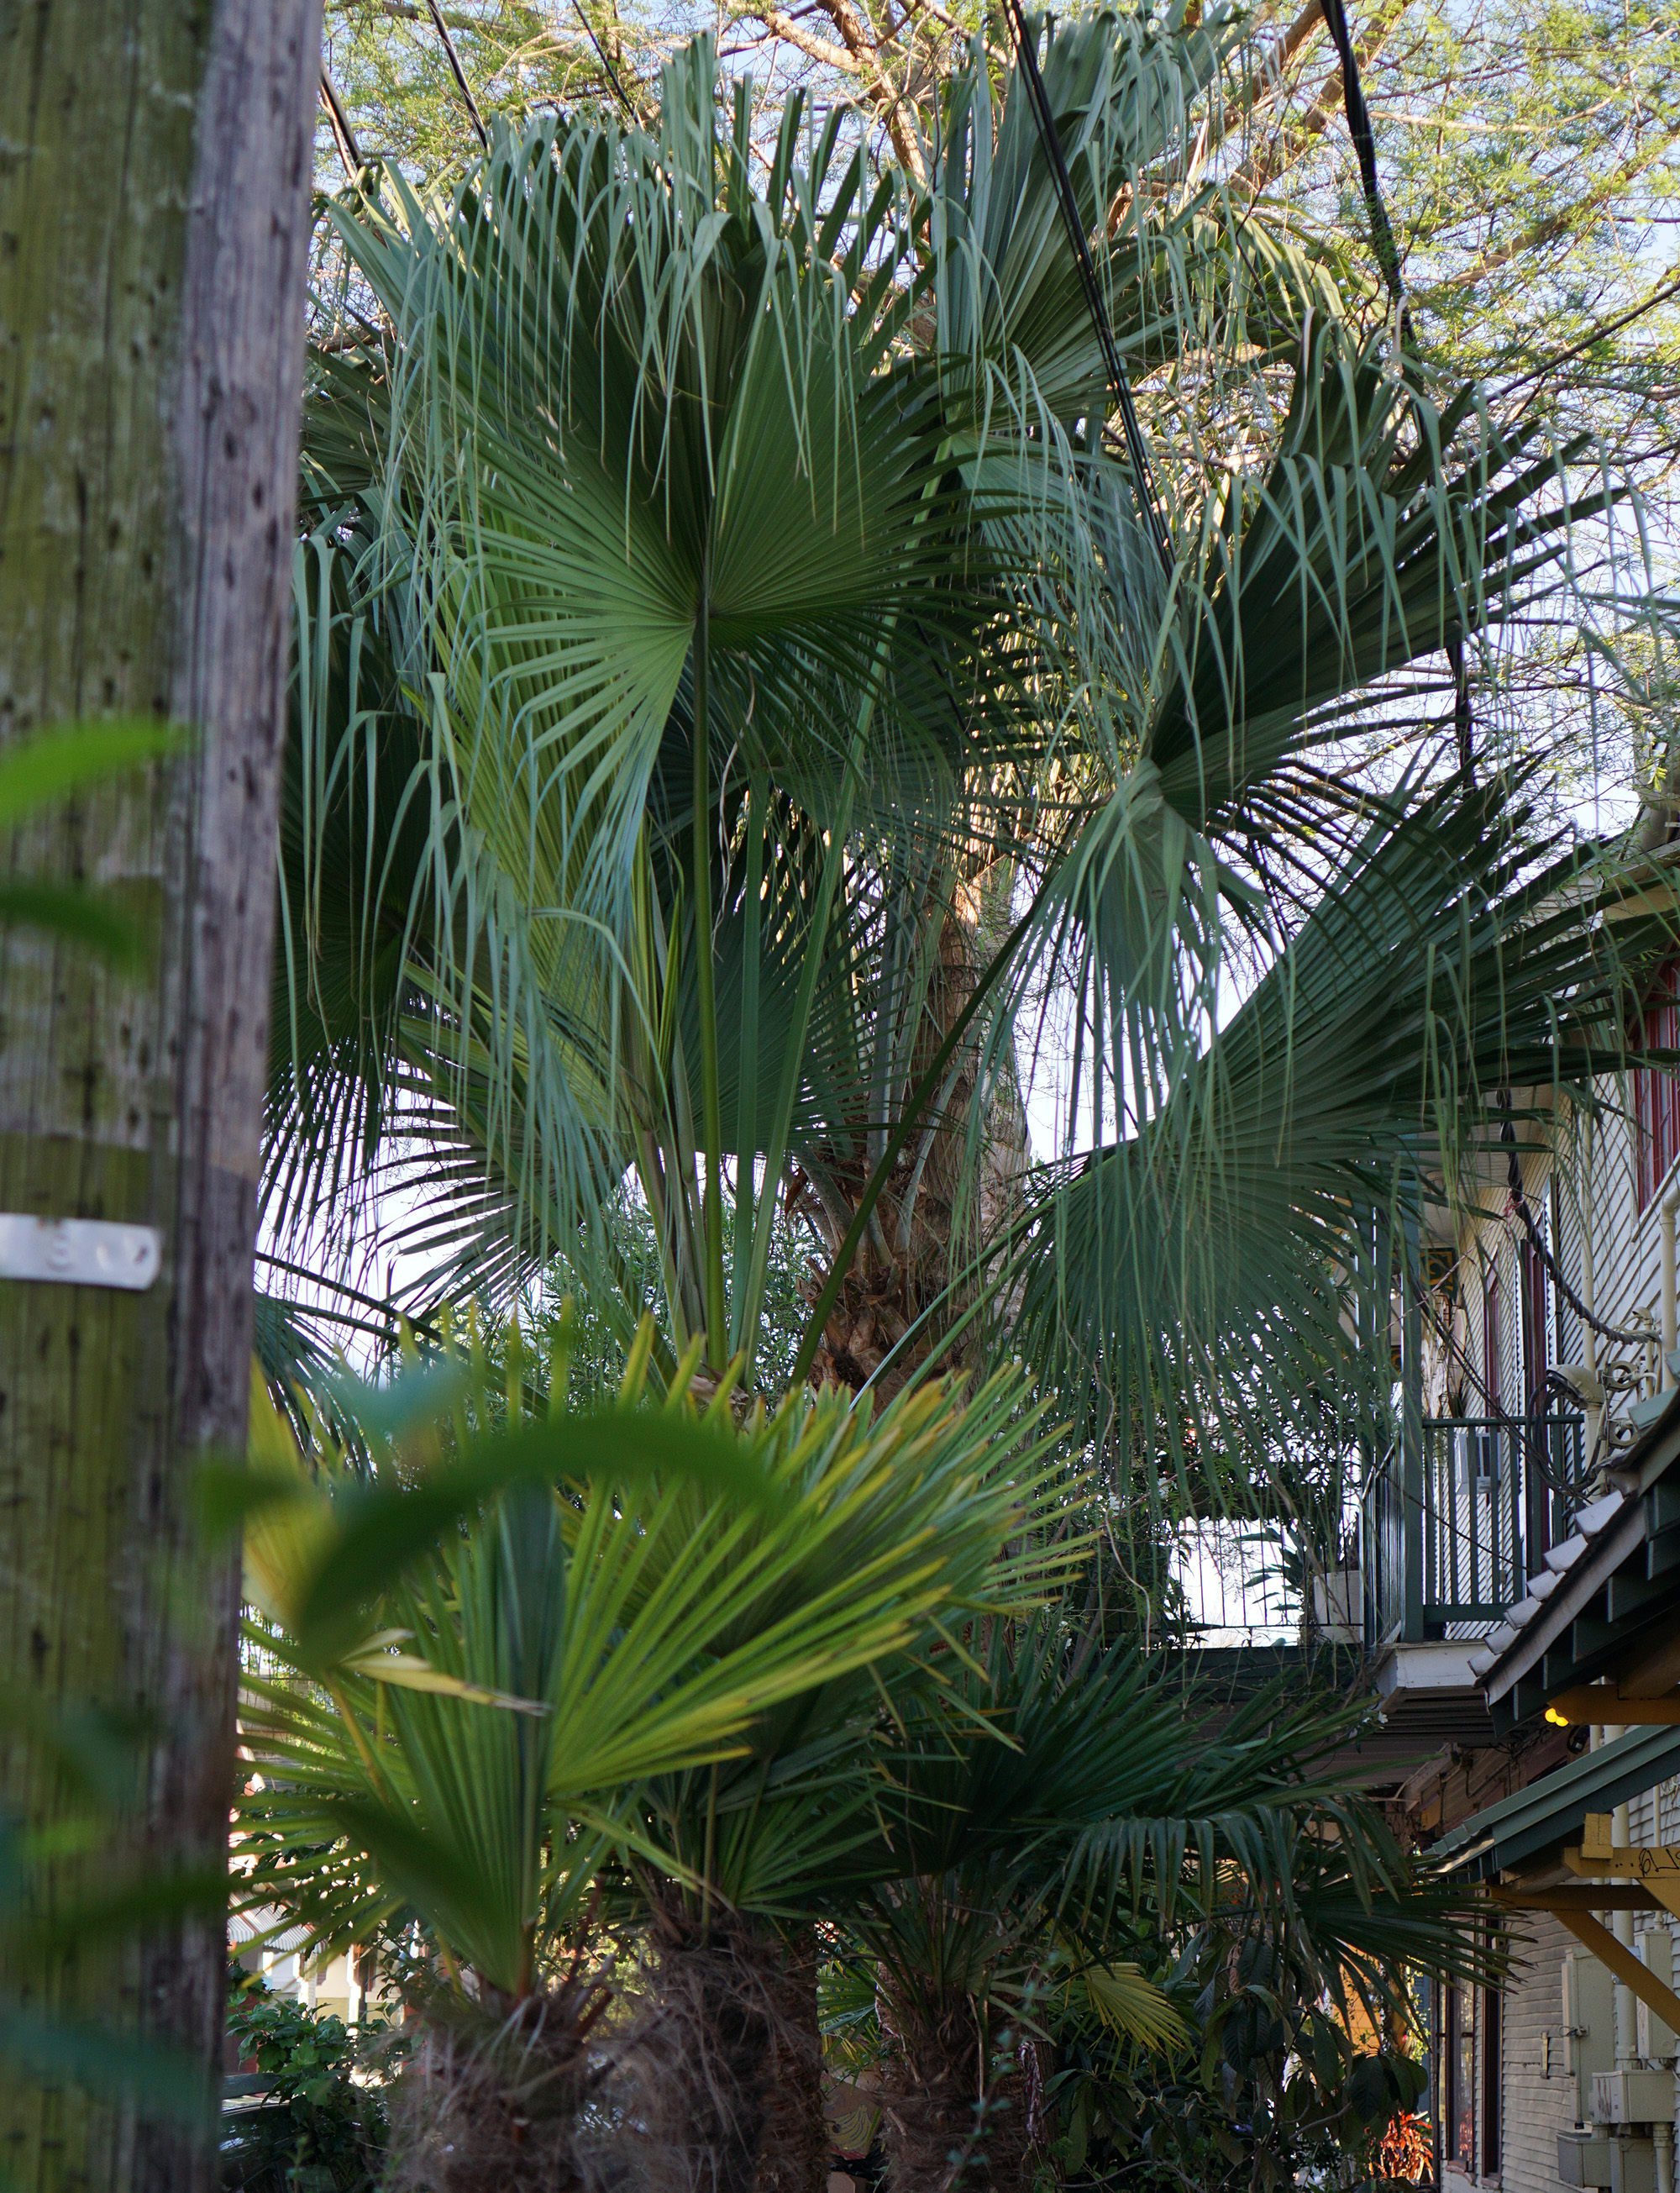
(381, 1529)
(56, 763)
(78, 916)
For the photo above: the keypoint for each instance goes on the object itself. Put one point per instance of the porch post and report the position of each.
(1411, 1424)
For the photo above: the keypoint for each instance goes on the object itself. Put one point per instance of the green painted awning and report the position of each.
(1552, 1812)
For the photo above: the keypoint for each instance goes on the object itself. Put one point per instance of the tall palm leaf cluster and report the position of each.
(744, 687)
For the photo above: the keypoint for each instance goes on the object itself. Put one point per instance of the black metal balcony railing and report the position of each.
(1451, 1531)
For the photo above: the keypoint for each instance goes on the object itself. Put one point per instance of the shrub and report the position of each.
(318, 2129)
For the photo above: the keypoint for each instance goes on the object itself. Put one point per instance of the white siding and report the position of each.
(1565, 1326)
(1536, 2107)
(1627, 1273)
(1538, 2099)
(1626, 1261)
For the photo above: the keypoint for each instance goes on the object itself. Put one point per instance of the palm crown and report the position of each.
(711, 573)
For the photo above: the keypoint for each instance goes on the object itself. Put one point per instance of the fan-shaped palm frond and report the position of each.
(694, 561)
(1452, 956)
(644, 523)
(1086, 1808)
(580, 1636)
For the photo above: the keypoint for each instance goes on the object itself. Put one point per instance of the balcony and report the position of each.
(1454, 1522)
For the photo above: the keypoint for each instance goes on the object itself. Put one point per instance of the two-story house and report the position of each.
(1519, 1558)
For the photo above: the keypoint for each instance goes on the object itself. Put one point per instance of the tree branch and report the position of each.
(814, 48)
(1559, 224)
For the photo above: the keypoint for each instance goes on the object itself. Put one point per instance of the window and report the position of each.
(1656, 1092)
(1463, 2130)
(1491, 2080)
(1459, 2062)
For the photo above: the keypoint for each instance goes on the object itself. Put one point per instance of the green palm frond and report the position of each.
(474, 1743)
(1381, 529)
(766, 1831)
(1126, 2003)
(1204, 1261)
(698, 568)
(1096, 1807)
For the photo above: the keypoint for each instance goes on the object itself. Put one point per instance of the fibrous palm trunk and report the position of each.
(940, 1203)
(154, 202)
(490, 2100)
(731, 2065)
(793, 2154)
(954, 2114)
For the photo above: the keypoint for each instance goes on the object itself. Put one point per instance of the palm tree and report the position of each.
(614, 1618)
(653, 1654)
(750, 1847)
(1065, 1820)
(694, 557)
(715, 584)
(750, 716)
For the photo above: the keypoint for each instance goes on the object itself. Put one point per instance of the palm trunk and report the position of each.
(932, 2124)
(731, 2063)
(153, 239)
(490, 2100)
(953, 2116)
(937, 1207)
(793, 2155)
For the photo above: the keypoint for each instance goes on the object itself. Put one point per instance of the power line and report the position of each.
(1137, 450)
(460, 73)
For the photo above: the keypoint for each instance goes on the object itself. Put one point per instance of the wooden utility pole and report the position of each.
(154, 172)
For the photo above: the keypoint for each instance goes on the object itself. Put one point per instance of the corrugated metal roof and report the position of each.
(243, 1926)
(1551, 1811)
(1612, 1530)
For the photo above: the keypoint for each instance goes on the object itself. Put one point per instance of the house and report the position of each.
(331, 1985)
(1519, 1580)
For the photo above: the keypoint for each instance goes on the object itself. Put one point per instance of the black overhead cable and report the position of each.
(1387, 256)
(1365, 150)
(1026, 57)
(628, 103)
(1464, 725)
(344, 136)
(458, 71)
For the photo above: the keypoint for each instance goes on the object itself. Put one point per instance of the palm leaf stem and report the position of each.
(712, 1208)
(1137, 450)
(746, 1137)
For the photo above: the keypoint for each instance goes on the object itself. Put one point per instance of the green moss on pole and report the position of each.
(155, 169)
